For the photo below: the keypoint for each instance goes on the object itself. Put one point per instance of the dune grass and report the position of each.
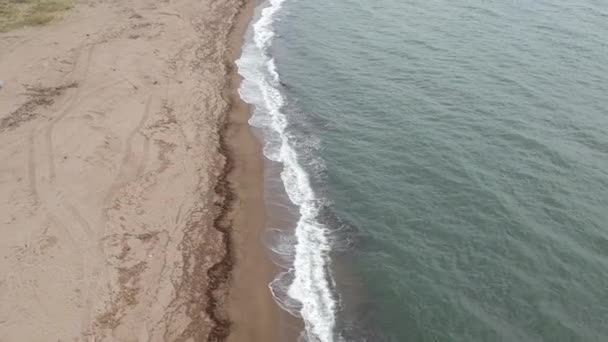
(19, 13)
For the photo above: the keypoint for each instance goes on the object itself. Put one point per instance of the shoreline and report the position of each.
(303, 288)
(252, 307)
(252, 310)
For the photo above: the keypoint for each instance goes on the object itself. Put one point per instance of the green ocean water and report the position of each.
(462, 147)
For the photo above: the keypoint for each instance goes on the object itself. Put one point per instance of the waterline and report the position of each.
(305, 288)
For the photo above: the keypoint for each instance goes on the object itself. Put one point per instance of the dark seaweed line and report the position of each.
(219, 274)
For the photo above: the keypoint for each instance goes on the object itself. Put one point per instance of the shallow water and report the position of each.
(449, 162)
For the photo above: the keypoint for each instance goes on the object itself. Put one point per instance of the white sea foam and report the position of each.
(305, 289)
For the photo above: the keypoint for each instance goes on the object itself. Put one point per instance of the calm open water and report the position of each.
(449, 161)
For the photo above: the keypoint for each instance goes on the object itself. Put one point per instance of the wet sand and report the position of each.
(254, 315)
(130, 186)
(262, 203)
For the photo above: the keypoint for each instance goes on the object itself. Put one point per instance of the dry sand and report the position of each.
(118, 191)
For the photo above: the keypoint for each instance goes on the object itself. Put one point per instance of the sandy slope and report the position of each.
(108, 167)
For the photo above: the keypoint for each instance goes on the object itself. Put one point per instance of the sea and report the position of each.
(437, 170)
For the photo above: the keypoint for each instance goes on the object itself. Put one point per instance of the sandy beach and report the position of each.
(131, 185)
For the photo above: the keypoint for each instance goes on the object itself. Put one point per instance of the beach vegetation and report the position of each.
(20, 13)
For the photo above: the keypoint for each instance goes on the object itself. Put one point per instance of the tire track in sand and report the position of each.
(31, 167)
(122, 176)
(72, 102)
